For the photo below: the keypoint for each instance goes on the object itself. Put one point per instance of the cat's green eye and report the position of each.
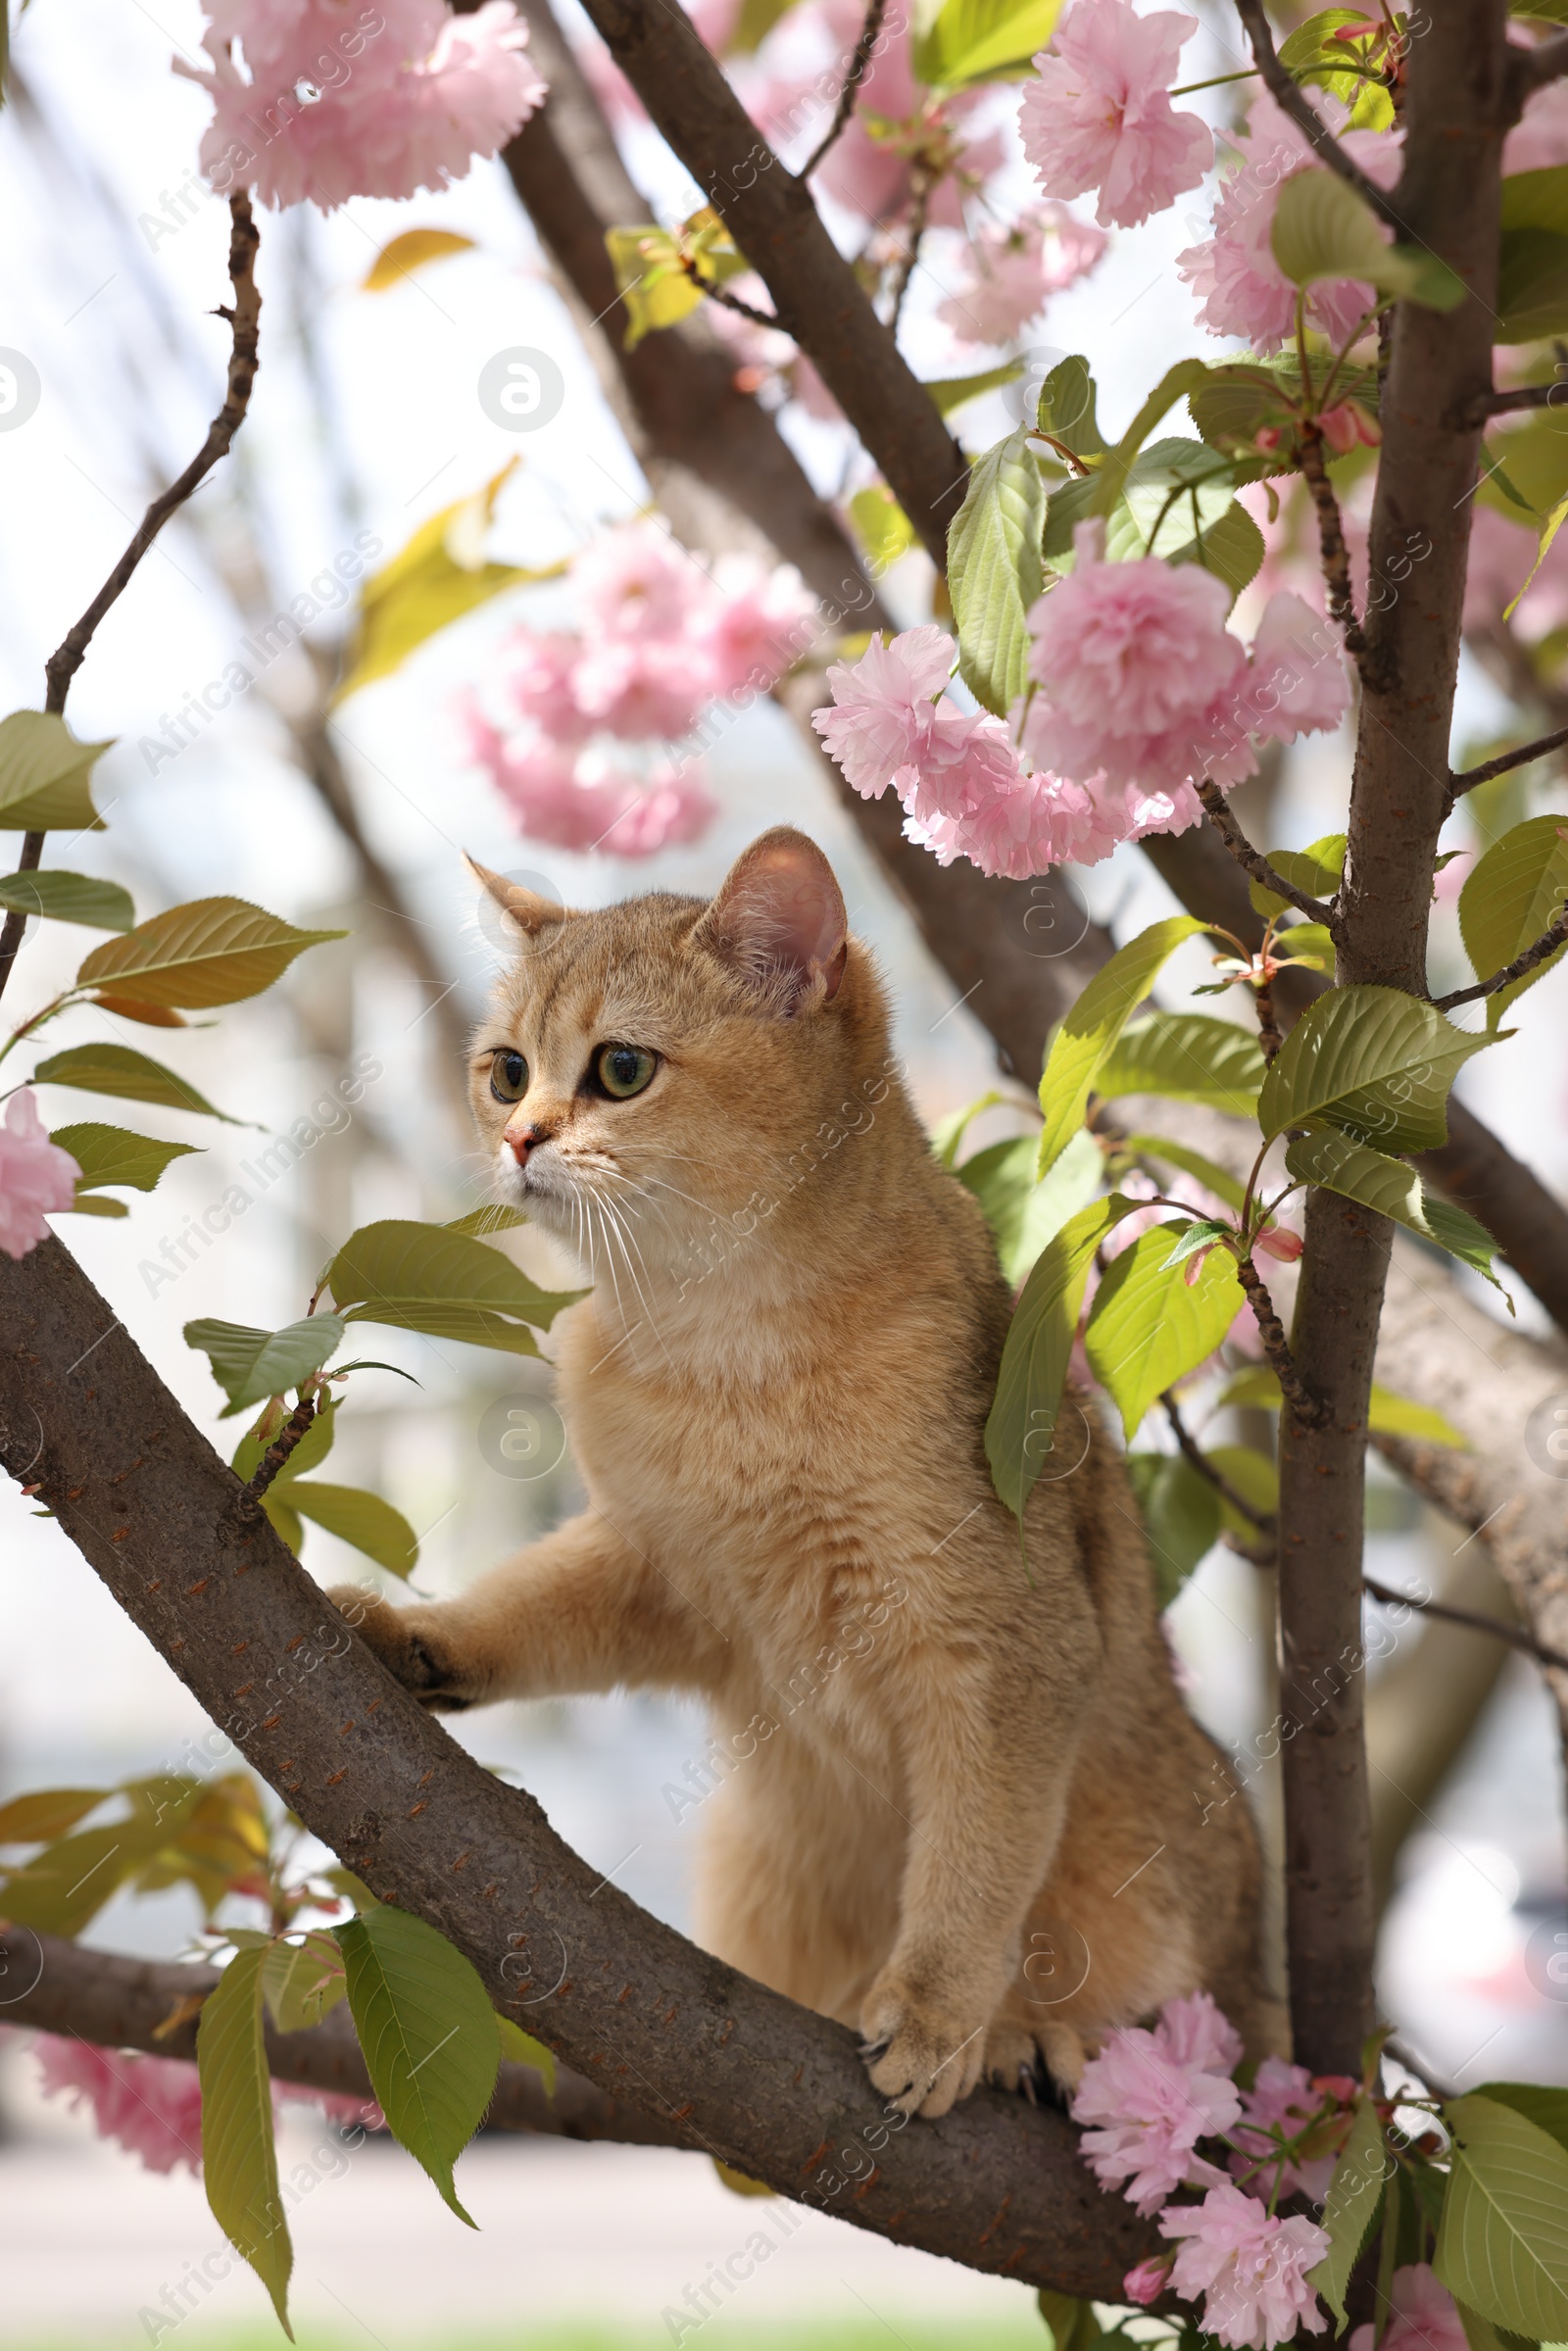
(508, 1077)
(624, 1069)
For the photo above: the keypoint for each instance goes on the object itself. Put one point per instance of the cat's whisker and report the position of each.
(627, 1243)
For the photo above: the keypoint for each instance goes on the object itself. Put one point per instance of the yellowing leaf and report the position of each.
(520, 2048)
(408, 252)
(983, 40)
(45, 775)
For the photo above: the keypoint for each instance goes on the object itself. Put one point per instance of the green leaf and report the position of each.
(882, 528)
(252, 1365)
(1323, 229)
(756, 21)
(95, 1203)
(1308, 944)
(1356, 2193)
(1318, 870)
(213, 951)
(1511, 896)
(1200, 1233)
(480, 1223)
(1147, 1327)
(1022, 1424)
(1023, 1210)
(1550, 525)
(1073, 2325)
(46, 776)
(114, 1155)
(302, 1983)
(423, 1277)
(950, 393)
(1312, 55)
(239, 2158)
(116, 1069)
(655, 290)
(1372, 1061)
(1068, 401)
(428, 2032)
(1535, 455)
(1181, 1518)
(439, 576)
(68, 897)
(288, 1523)
(520, 2048)
(1392, 1415)
(1502, 2247)
(1479, 2334)
(994, 568)
(1533, 257)
(1546, 2107)
(310, 1451)
(949, 1132)
(61, 1890)
(1088, 1033)
(982, 40)
(1176, 1154)
(1393, 1190)
(1189, 1056)
(48, 1813)
(1177, 383)
(363, 1519)
(1255, 1479)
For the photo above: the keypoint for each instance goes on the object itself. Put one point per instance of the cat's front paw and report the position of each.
(1043, 2062)
(408, 1645)
(922, 2053)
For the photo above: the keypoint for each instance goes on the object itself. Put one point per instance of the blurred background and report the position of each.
(366, 421)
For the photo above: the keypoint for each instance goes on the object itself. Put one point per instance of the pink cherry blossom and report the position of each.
(1243, 288)
(640, 687)
(35, 1176)
(378, 104)
(638, 582)
(580, 802)
(1011, 273)
(1146, 2283)
(1099, 116)
(876, 719)
(1249, 2267)
(758, 625)
(1154, 2095)
(1278, 1241)
(152, 2105)
(1299, 684)
(540, 683)
(1423, 2316)
(1539, 140)
(1283, 2097)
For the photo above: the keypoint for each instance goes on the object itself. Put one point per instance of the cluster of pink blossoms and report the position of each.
(1099, 115)
(1141, 692)
(337, 101)
(1010, 273)
(152, 2106)
(35, 1176)
(661, 642)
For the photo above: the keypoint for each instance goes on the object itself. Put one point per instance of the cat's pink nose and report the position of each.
(521, 1140)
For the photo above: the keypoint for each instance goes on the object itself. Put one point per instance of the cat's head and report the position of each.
(665, 1062)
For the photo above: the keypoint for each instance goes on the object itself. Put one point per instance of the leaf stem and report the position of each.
(1537, 952)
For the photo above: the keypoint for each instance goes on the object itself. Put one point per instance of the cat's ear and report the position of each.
(534, 915)
(779, 922)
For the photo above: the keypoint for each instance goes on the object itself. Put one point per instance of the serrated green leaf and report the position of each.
(982, 40)
(1318, 870)
(46, 776)
(1510, 897)
(363, 1519)
(1200, 1233)
(520, 2048)
(949, 393)
(239, 2157)
(1181, 1518)
(1090, 1031)
(1022, 1209)
(1189, 1056)
(1393, 1190)
(1539, 2103)
(48, 1812)
(1068, 404)
(1502, 2248)
(68, 897)
(1323, 229)
(302, 1983)
(1149, 1326)
(1022, 1424)
(1374, 1062)
(1177, 383)
(428, 2032)
(994, 570)
(481, 1223)
(1214, 1179)
(250, 1365)
(132, 1076)
(213, 951)
(1356, 2193)
(1533, 256)
(114, 1155)
(422, 1277)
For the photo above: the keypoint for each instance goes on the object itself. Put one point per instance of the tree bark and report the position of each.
(730, 2067)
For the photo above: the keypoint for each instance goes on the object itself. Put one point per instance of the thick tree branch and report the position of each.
(1535, 954)
(1505, 764)
(1293, 100)
(775, 2091)
(1257, 867)
(122, 2003)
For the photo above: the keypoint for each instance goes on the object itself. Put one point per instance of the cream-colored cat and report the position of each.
(965, 1811)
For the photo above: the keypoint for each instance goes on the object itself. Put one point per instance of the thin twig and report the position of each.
(283, 1444)
(852, 79)
(1505, 761)
(923, 184)
(1263, 1520)
(1302, 1403)
(1514, 1634)
(1257, 865)
(728, 302)
(244, 319)
(1503, 404)
(1293, 100)
(1331, 536)
(1268, 1029)
(1546, 945)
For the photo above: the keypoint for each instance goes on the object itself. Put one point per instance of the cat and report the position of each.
(956, 1798)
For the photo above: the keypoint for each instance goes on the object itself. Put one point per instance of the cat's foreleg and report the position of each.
(579, 1611)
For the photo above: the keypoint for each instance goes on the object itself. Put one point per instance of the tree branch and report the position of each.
(1502, 404)
(1493, 1626)
(1505, 764)
(1259, 868)
(1336, 555)
(1264, 1520)
(775, 2091)
(726, 300)
(1537, 952)
(1546, 62)
(853, 80)
(1305, 1406)
(244, 319)
(1293, 100)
